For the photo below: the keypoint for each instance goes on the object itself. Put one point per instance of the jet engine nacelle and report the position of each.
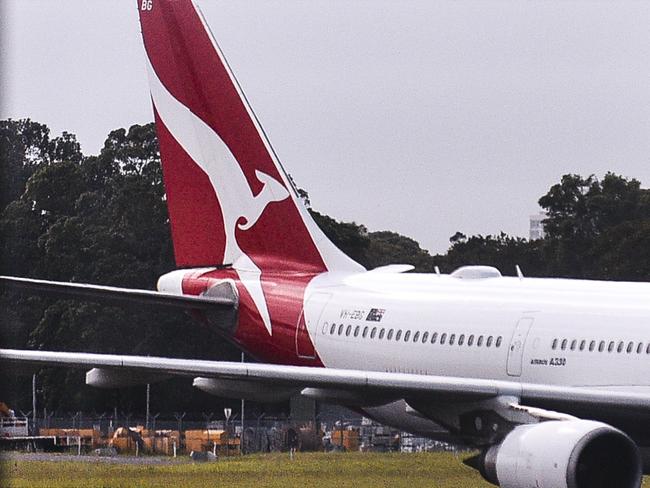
(249, 390)
(563, 454)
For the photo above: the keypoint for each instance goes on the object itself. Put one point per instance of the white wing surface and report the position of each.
(391, 384)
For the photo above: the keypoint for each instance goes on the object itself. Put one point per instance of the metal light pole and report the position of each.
(146, 422)
(227, 412)
(243, 402)
(34, 403)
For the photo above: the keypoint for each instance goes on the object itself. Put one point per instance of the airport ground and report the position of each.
(358, 470)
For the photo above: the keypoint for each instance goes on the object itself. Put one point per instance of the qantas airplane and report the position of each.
(549, 379)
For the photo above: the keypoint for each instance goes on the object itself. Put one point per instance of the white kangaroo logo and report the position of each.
(235, 196)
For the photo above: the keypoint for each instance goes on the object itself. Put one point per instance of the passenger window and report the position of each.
(373, 333)
(489, 341)
(425, 337)
(416, 336)
(648, 350)
(639, 348)
(443, 338)
(398, 335)
(452, 339)
(601, 346)
(407, 334)
(434, 337)
(390, 334)
(357, 329)
(611, 346)
(381, 333)
(573, 344)
(564, 343)
(499, 340)
(470, 340)
(592, 346)
(630, 347)
(620, 347)
(348, 330)
(341, 329)
(554, 345)
(583, 343)
(332, 329)
(365, 332)
(479, 343)
(461, 340)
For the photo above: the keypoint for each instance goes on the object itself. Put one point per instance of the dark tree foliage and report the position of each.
(373, 249)
(103, 219)
(23, 146)
(501, 251)
(391, 248)
(351, 238)
(98, 219)
(597, 229)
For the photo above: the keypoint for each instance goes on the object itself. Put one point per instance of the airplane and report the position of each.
(549, 379)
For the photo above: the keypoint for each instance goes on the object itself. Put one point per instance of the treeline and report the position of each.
(102, 219)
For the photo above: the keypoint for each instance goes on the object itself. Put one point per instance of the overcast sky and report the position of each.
(422, 117)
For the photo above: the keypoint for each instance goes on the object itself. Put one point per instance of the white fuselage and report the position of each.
(549, 331)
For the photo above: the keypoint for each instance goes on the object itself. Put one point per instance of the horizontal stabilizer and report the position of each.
(114, 294)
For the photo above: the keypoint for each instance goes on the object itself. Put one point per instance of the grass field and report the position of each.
(437, 470)
(260, 471)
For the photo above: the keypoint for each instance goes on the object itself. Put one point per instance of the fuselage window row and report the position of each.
(415, 337)
(602, 346)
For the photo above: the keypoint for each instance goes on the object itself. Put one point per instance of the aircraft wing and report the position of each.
(392, 384)
(111, 293)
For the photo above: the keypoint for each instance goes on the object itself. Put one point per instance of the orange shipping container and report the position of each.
(195, 445)
(123, 444)
(348, 439)
(217, 435)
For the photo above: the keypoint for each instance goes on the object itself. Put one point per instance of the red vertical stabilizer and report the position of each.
(229, 200)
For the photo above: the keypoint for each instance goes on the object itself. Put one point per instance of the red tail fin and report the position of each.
(229, 200)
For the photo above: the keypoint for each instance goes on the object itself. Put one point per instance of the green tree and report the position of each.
(98, 219)
(588, 220)
(350, 237)
(23, 146)
(392, 248)
(501, 251)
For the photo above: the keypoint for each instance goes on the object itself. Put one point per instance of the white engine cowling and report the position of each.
(564, 454)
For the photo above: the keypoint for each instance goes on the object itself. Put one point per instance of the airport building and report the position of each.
(537, 226)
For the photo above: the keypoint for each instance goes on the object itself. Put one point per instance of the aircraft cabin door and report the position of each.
(516, 351)
(316, 305)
